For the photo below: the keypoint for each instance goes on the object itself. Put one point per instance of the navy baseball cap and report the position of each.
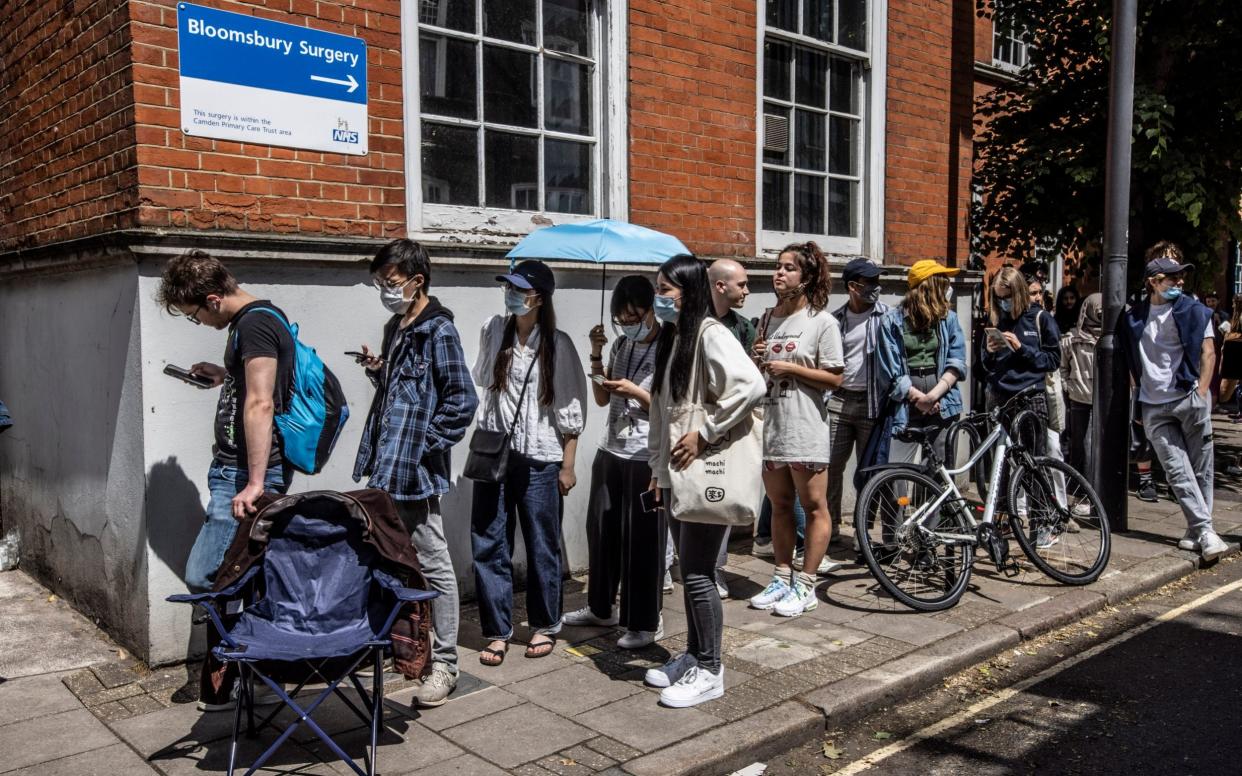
(531, 274)
(859, 269)
(1166, 266)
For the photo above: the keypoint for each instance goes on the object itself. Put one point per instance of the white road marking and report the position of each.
(931, 731)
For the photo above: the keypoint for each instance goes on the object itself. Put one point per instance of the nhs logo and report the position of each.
(344, 136)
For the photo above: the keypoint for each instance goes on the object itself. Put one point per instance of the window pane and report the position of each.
(843, 86)
(510, 20)
(817, 19)
(776, 200)
(843, 145)
(842, 208)
(808, 204)
(512, 165)
(812, 73)
(452, 14)
(852, 24)
(775, 134)
(567, 176)
(810, 141)
(450, 165)
(446, 69)
(783, 14)
(776, 62)
(566, 26)
(567, 89)
(509, 88)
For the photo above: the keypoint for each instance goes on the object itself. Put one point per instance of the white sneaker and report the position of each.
(671, 672)
(799, 599)
(668, 581)
(827, 565)
(722, 589)
(636, 639)
(1211, 546)
(762, 549)
(585, 616)
(774, 592)
(697, 686)
(1188, 542)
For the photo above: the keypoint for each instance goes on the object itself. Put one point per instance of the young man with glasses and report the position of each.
(424, 401)
(1170, 350)
(254, 381)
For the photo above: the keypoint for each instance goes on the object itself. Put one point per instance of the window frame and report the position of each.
(1016, 35)
(609, 106)
(873, 68)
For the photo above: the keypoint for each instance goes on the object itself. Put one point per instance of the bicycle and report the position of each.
(917, 532)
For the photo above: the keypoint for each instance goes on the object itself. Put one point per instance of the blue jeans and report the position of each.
(530, 495)
(763, 526)
(224, 481)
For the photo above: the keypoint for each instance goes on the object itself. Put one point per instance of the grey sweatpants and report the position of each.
(426, 527)
(1180, 431)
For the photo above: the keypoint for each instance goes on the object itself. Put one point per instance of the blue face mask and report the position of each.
(637, 332)
(666, 309)
(1171, 294)
(1006, 305)
(515, 301)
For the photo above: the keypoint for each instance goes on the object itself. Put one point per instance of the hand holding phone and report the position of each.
(648, 501)
(599, 380)
(185, 375)
(356, 354)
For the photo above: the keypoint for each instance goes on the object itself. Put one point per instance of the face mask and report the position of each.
(1006, 305)
(515, 301)
(394, 300)
(637, 332)
(871, 295)
(666, 309)
(948, 294)
(1171, 294)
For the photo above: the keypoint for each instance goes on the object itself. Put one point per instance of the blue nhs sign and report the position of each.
(252, 80)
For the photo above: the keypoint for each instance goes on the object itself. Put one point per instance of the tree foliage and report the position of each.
(1043, 138)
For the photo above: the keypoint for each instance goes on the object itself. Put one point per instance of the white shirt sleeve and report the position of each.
(731, 377)
(489, 339)
(569, 382)
(1207, 334)
(829, 350)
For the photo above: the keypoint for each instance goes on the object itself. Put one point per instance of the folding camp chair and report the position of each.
(317, 605)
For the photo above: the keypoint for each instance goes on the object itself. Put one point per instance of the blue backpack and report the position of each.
(315, 410)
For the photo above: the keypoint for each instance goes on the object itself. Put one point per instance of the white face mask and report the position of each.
(394, 300)
(637, 332)
(515, 301)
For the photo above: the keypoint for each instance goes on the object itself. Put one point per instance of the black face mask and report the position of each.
(870, 295)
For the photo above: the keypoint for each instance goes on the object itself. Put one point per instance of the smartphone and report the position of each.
(357, 355)
(995, 335)
(184, 375)
(648, 500)
(598, 379)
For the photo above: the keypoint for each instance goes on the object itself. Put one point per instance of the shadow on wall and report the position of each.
(174, 514)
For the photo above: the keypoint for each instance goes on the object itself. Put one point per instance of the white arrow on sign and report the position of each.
(352, 82)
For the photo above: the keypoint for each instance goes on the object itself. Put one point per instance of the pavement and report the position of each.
(584, 709)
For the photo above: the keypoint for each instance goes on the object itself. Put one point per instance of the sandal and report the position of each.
(541, 648)
(493, 657)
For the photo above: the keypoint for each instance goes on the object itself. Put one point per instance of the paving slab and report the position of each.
(404, 746)
(179, 728)
(455, 711)
(573, 690)
(108, 761)
(639, 721)
(908, 627)
(465, 765)
(51, 737)
(1061, 610)
(774, 653)
(30, 614)
(34, 696)
(517, 735)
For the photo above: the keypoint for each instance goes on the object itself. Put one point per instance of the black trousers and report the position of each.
(1078, 424)
(625, 545)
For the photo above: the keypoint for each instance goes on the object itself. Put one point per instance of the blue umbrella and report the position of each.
(603, 241)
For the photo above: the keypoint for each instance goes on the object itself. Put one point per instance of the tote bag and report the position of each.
(723, 484)
(1052, 386)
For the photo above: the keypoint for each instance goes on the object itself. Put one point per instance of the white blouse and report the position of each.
(539, 430)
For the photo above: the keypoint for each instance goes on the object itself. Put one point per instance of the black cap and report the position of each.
(859, 269)
(531, 274)
(1166, 266)
(1034, 270)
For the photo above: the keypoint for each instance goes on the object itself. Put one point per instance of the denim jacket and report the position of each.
(877, 389)
(950, 354)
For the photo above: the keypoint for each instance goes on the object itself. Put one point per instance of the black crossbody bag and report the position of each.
(489, 450)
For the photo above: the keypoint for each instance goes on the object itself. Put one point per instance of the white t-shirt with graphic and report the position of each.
(795, 420)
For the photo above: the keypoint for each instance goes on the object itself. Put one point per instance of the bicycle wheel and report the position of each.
(1067, 540)
(924, 566)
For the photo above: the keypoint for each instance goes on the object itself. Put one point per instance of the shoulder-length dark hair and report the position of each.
(546, 354)
(678, 340)
(816, 281)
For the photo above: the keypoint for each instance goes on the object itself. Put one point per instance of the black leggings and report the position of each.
(697, 547)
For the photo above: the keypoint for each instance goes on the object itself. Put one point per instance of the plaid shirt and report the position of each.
(424, 401)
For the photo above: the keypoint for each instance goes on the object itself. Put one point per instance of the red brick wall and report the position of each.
(67, 166)
(929, 130)
(199, 183)
(693, 139)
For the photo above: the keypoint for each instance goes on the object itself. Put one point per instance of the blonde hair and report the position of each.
(925, 305)
(1165, 249)
(1019, 296)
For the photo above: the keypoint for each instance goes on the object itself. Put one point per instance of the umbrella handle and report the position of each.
(603, 289)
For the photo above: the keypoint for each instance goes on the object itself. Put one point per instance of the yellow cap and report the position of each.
(924, 269)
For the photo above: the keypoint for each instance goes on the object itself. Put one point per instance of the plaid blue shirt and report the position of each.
(424, 401)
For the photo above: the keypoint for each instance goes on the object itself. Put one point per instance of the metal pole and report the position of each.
(1110, 466)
